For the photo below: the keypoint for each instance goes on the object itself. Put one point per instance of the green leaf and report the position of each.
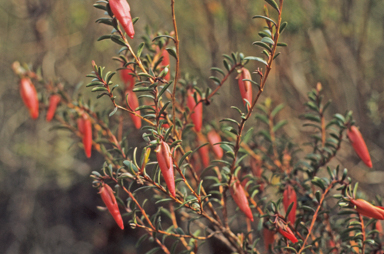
(216, 79)
(141, 239)
(184, 156)
(312, 118)
(268, 40)
(96, 83)
(163, 36)
(116, 39)
(142, 89)
(283, 26)
(229, 120)
(318, 182)
(100, 6)
(262, 44)
(172, 52)
(218, 70)
(99, 88)
(165, 87)
(106, 21)
(113, 112)
(153, 251)
(263, 118)
(282, 44)
(273, 4)
(259, 59)
(104, 37)
(109, 76)
(266, 135)
(140, 49)
(229, 58)
(134, 20)
(279, 125)
(264, 17)
(227, 65)
(277, 109)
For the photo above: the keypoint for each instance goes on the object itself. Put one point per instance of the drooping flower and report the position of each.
(284, 230)
(133, 103)
(203, 151)
(214, 138)
(197, 110)
(54, 100)
(359, 145)
(84, 126)
(240, 198)
(109, 200)
(122, 12)
(245, 87)
(269, 237)
(164, 158)
(127, 78)
(289, 196)
(367, 209)
(29, 95)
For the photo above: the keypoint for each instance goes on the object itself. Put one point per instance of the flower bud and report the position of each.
(197, 110)
(240, 198)
(122, 12)
(29, 96)
(164, 158)
(203, 151)
(127, 78)
(134, 103)
(54, 100)
(85, 128)
(289, 196)
(367, 209)
(245, 87)
(359, 145)
(269, 237)
(165, 62)
(109, 200)
(284, 230)
(214, 138)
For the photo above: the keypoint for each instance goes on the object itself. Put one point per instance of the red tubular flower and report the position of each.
(289, 196)
(122, 12)
(284, 229)
(240, 198)
(203, 151)
(166, 62)
(269, 237)
(367, 209)
(359, 145)
(165, 161)
(54, 100)
(332, 245)
(85, 127)
(197, 115)
(134, 103)
(213, 138)
(245, 86)
(127, 78)
(109, 200)
(379, 227)
(29, 96)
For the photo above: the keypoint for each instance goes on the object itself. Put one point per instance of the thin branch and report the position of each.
(177, 66)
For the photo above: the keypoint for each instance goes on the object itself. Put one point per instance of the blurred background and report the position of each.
(47, 203)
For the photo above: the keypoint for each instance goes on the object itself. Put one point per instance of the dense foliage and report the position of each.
(184, 184)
